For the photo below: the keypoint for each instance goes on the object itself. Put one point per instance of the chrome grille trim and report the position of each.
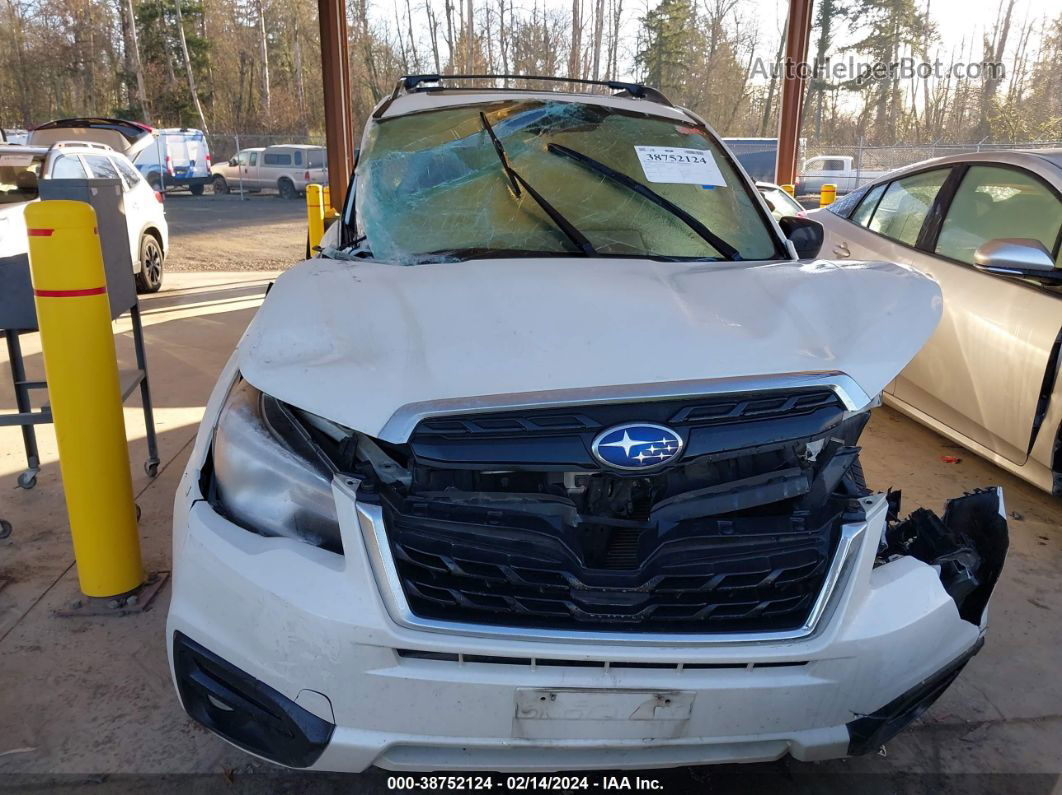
(401, 424)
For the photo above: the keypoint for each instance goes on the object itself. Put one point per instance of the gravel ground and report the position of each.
(227, 233)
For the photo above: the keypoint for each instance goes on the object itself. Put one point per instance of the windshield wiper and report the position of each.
(597, 166)
(516, 181)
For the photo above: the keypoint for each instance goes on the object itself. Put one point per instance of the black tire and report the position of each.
(149, 279)
(197, 190)
(221, 186)
(154, 179)
(286, 188)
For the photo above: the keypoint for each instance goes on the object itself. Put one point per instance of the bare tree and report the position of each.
(188, 66)
(263, 60)
(433, 31)
(994, 50)
(599, 28)
(577, 34)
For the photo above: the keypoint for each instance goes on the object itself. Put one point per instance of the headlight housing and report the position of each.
(269, 475)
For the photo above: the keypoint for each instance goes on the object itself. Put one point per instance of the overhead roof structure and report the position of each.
(797, 34)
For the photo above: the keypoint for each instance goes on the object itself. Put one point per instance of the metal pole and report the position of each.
(151, 465)
(797, 32)
(239, 167)
(22, 404)
(335, 70)
(859, 164)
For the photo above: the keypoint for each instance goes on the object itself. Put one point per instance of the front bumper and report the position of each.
(312, 626)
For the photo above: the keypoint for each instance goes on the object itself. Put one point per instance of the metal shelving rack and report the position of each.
(18, 316)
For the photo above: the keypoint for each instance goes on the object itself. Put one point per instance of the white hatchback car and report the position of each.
(550, 462)
(21, 167)
(176, 157)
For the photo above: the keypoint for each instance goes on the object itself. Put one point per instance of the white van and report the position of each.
(168, 158)
(287, 168)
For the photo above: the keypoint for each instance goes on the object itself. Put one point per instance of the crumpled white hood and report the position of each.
(355, 341)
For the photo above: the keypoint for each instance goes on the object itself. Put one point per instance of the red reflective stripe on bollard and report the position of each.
(39, 232)
(69, 293)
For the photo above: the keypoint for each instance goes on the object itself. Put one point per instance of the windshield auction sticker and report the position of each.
(677, 165)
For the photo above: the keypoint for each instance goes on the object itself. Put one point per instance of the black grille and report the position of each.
(562, 437)
(726, 575)
(509, 520)
(677, 413)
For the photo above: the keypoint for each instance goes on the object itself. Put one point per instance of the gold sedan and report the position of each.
(988, 228)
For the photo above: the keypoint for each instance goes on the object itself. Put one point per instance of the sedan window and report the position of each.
(905, 205)
(995, 202)
(866, 207)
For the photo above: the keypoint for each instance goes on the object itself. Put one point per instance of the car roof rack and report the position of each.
(411, 83)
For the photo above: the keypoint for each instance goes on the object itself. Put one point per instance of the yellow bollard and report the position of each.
(80, 363)
(329, 210)
(827, 194)
(788, 189)
(315, 212)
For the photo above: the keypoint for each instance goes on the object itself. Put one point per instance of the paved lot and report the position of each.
(234, 233)
(88, 702)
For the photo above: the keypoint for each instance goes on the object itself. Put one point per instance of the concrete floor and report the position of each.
(89, 701)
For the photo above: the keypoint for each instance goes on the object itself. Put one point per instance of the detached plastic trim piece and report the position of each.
(245, 711)
(870, 732)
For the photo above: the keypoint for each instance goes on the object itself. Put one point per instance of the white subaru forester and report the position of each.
(549, 462)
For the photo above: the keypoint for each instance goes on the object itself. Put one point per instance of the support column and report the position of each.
(335, 71)
(797, 33)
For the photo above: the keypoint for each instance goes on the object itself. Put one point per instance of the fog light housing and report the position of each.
(246, 712)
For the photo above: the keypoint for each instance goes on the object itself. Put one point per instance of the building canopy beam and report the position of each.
(797, 35)
(335, 74)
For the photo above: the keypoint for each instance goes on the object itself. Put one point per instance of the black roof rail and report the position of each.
(414, 83)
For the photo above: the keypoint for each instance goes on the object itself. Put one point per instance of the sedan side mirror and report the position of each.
(807, 235)
(232, 162)
(1016, 256)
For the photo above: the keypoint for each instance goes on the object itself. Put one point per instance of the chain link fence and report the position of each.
(224, 146)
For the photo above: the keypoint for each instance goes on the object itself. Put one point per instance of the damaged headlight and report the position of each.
(269, 476)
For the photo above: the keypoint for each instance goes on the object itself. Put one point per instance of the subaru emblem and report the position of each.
(636, 446)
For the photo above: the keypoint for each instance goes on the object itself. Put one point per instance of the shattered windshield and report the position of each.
(430, 186)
